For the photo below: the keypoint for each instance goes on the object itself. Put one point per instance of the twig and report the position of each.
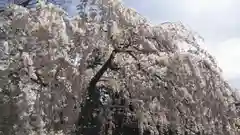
(39, 80)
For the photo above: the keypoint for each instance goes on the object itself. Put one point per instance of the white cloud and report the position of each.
(207, 6)
(227, 54)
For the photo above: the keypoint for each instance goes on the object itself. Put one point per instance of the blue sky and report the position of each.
(216, 21)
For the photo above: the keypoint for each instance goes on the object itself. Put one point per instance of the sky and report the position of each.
(216, 21)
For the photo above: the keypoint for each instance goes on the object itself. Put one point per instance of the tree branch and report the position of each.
(25, 4)
(39, 80)
(104, 68)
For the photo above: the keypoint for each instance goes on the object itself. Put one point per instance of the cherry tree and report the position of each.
(107, 65)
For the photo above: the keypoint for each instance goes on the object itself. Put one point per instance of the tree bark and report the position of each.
(87, 123)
